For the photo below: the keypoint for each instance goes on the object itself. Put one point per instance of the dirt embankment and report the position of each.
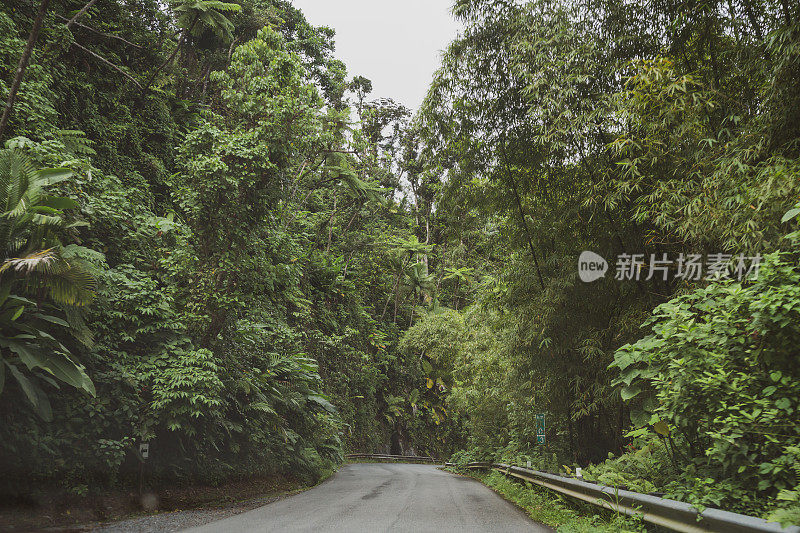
(48, 509)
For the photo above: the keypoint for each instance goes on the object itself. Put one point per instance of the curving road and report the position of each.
(385, 497)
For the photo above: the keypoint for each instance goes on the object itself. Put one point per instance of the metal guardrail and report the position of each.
(675, 515)
(387, 457)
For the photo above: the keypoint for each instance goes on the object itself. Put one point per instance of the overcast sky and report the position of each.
(396, 44)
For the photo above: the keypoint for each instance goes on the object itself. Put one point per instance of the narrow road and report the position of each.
(385, 497)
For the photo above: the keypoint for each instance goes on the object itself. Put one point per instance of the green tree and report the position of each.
(193, 17)
(37, 278)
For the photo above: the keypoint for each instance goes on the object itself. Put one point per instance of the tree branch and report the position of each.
(108, 63)
(80, 13)
(98, 32)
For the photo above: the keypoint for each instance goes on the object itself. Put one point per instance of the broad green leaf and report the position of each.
(630, 392)
(59, 202)
(45, 210)
(56, 363)
(783, 403)
(52, 176)
(53, 319)
(639, 418)
(650, 404)
(17, 313)
(641, 432)
(427, 368)
(43, 404)
(35, 396)
(790, 214)
(661, 428)
(323, 402)
(78, 224)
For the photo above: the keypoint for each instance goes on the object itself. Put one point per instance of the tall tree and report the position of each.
(24, 59)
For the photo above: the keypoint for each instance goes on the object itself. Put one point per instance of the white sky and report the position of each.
(395, 44)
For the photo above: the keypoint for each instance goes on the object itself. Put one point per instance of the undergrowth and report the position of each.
(554, 510)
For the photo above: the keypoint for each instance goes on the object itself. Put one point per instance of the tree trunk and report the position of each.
(206, 77)
(571, 434)
(23, 64)
(525, 227)
(513, 184)
(164, 64)
(171, 56)
(330, 224)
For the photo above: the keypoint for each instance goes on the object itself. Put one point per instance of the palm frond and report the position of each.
(65, 282)
(42, 261)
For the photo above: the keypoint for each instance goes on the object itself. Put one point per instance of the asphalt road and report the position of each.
(385, 497)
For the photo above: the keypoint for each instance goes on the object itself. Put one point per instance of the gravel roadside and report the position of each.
(166, 508)
(167, 522)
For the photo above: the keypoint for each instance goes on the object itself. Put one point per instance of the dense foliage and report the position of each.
(206, 241)
(660, 130)
(223, 247)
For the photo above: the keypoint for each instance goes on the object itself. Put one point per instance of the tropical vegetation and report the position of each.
(219, 243)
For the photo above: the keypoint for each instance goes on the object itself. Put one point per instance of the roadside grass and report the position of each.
(557, 511)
